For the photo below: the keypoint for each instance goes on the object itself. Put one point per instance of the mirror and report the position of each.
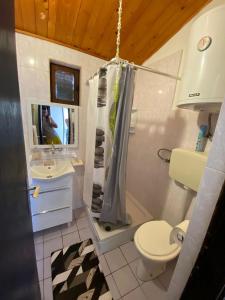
(54, 124)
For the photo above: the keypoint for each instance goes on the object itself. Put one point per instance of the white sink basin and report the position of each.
(51, 169)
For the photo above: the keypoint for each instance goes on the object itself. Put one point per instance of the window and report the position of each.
(65, 84)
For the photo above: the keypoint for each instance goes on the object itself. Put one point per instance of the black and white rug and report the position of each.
(76, 274)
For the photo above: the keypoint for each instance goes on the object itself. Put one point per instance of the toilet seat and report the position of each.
(153, 241)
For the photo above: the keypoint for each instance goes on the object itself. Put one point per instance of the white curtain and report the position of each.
(108, 121)
(90, 140)
(98, 117)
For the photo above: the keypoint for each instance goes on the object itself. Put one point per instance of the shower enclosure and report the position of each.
(109, 112)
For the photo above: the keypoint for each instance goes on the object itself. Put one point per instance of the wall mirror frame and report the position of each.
(45, 108)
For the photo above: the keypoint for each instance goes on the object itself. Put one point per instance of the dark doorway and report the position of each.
(18, 276)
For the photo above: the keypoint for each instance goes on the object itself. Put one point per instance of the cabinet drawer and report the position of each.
(51, 218)
(54, 183)
(48, 200)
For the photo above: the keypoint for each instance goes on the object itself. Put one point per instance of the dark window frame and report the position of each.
(76, 73)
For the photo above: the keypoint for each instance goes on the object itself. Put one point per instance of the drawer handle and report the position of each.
(55, 190)
(50, 210)
(36, 190)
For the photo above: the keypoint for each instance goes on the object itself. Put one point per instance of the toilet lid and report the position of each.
(154, 238)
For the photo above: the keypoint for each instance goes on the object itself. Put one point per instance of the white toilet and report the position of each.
(153, 239)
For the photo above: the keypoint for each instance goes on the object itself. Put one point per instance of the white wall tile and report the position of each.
(26, 51)
(27, 82)
(42, 85)
(33, 57)
(159, 126)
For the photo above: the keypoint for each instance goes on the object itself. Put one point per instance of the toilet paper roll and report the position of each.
(177, 234)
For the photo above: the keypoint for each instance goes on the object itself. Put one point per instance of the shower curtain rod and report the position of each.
(144, 68)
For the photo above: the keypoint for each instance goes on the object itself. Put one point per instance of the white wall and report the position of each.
(161, 125)
(158, 126)
(213, 177)
(33, 56)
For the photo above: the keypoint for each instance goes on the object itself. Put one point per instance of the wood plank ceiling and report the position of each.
(90, 25)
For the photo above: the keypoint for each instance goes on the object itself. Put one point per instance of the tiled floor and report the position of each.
(118, 265)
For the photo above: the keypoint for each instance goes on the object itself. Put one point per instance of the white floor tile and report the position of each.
(71, 238)
(38, 237)
(153, 290)
(103, 265)
(125, 280)
(115, 259)
(47, 267)
(48, 289)
(166, 276)
(39, 251)
(52, 245)
(133, 266)
(113, 288)
(40, 269)
(83, 223)
(69, 228)
(41, 283)
(85, 234)
(51, 234)
(97, 250)
(80, 212)
(137, 294)
(129, 251)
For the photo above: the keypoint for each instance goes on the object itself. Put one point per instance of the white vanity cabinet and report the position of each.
(54, 203)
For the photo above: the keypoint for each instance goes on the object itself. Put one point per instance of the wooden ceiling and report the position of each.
(90, 25)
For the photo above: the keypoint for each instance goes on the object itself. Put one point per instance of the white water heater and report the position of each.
(203, 78)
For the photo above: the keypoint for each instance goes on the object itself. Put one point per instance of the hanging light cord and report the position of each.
(119, 25)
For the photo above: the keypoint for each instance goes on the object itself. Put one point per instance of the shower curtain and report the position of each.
(109, 113)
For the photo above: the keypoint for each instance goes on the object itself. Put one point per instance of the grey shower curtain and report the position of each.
(114, 204)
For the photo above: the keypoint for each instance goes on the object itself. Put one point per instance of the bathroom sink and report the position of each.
(50, 169)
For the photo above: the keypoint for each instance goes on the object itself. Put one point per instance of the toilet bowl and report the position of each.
(152, 240)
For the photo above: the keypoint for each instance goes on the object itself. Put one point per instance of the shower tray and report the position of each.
(108, 240)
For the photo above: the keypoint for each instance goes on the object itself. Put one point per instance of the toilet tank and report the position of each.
(203, 79)
(187, 167)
